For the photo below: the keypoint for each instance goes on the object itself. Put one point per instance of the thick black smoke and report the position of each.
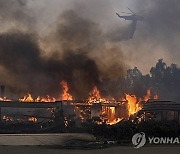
(76, 58)
(27, 71)
(80, 36)
(77, 33)
(77, 50)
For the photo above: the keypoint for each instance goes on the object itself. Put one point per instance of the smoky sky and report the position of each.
(156, 37)
(27, 71)
(82, 42)
(16, 14)
(72, 44)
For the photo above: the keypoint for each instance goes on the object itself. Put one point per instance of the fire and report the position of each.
(107, 111)
(148, 95)
(115, 121)
(6, 118)
(5, 99)
(29, 98)
(132, 104)
(32, 119)
(109, 115)
(95, 96)
(65, 95)
(45, 99)
(112, 114)
(156, 97)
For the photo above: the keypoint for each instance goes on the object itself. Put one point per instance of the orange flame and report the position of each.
(65, 95)
(109, 114)
(95, 96)
(115, 121)
(29, 98)
(32, 119)
(5, 99)
(95, 93)
(148, 95)
(132, 104)
(6, 118)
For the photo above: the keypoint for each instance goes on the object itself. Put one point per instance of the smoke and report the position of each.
(75, 50)
(158, 35)
(15, 14)
(76, 33)
(27, 70)
(162, 17)
(84, 45)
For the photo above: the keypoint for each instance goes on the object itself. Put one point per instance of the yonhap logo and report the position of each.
(139, 140)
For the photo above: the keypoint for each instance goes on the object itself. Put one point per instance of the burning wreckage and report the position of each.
(46, 114)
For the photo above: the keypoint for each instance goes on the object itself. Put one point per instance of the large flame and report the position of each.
(65, 94)
(95, 96)
(134, 102)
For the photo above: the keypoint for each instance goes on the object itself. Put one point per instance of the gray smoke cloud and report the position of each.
(16, 14)
(82, 42)
(74, 53)
(158, 36)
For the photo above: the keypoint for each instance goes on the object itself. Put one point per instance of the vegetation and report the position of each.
(163, 80)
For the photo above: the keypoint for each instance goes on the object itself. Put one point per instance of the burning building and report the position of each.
(103, 110)
(109, 113)
(51, 114)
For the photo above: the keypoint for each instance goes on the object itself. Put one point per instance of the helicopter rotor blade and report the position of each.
(131, 10)
(141, 12)
(126, 12)
(117, 14)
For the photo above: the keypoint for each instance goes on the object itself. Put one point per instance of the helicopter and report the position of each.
(134, 17)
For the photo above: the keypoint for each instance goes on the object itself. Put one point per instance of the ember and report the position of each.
(32, 119)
